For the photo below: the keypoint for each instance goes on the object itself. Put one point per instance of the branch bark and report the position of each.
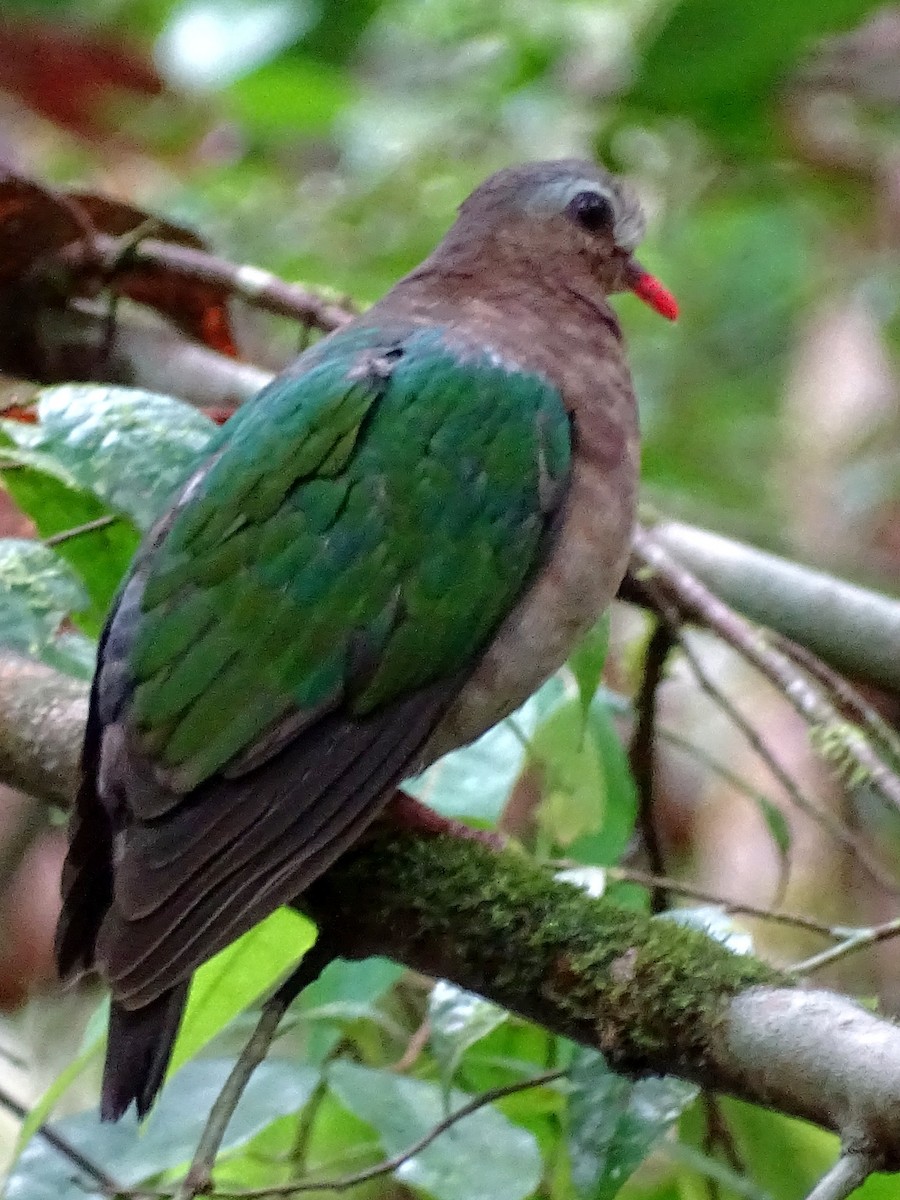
(854, 629)
(653, 996)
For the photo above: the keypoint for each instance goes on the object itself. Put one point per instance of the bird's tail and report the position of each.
(138, 1052)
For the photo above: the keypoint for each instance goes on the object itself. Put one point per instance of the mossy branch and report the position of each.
(653, 996)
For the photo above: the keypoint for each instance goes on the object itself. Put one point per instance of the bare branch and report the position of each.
(64, 535)
(42, 716)
(842, 745)
(343, 1182)
(853, 941)
(309, 968)
(679, 888)
(848, 1173)
(653, 996)
(145, 352)
(261, 289)
(823, 818)
(854, 629)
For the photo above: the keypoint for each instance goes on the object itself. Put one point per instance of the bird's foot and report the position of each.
(404, 812)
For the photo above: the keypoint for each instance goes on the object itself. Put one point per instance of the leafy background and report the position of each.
(331, 143)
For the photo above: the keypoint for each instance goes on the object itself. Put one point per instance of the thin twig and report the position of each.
(848, 1173)
(342, 1182)
(253, 285)
(845, 697)
(309, 968)
(854, 940)
(730, 777)
(825, 819)
(842, 745)
(306, 1122)
(64, 535)
(855, 629)
(719, 1136)
(777, 916)
(641, 751)
(414, 1048)
(100, 1176)
(839, 832)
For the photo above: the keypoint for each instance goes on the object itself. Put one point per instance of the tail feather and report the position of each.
(138, 1052)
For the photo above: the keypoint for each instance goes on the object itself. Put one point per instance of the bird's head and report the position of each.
(570, 217)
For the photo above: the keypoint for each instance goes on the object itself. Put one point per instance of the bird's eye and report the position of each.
(593, 211)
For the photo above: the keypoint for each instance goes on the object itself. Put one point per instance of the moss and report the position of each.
(647, 991)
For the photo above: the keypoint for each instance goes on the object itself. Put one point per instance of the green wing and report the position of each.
(298, 624)
(353, 541)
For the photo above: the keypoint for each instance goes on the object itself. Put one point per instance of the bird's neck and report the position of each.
(559, 324)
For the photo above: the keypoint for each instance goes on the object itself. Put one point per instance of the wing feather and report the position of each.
(290, 635)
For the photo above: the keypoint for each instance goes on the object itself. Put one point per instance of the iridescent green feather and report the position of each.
(360, 531)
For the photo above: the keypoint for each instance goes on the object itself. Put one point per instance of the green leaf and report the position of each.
(476, 781)
(723, 65)
(458, 1019)
(783, 1156)
(589, 802)
(238, 975)
(586, 662)
(777, 825)
(292, 96)
(41, 1111)
(344, 991)
(169, 1135)
(483, 1154)
(614, 1122)
(37, 592)
(100, 557)
(128, 448)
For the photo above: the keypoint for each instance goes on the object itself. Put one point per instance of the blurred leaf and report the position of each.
(458, 1019)
(36, 221)
(292, 96)
(71, 74)
(169, 1135)
(777, 825)
(586, 661)
(100, 557)
(210, 43)
(344, 990)
(784, 1157)
(483, 1154)
(72, 652)
(95, 450)
(40, 1112)
(723, 65)
(589, 804)
(37, 591)
(238, 975)
(476, 781)
(32, 220)
(614, 1122)
(335, 36)
(707, 1172)
(127, 447)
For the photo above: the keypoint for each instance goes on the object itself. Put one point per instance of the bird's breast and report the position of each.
(585, 562)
